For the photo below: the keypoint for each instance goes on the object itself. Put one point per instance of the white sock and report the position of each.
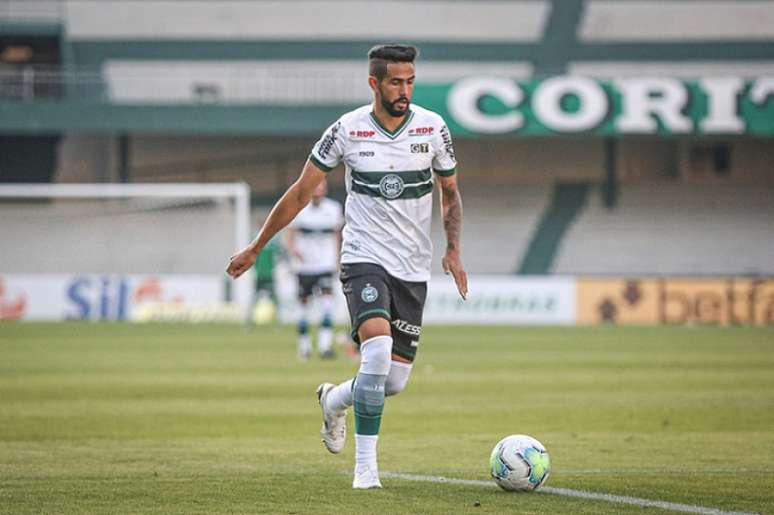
(304, 344)
(340, 397)
(324, 339)
(365, 450)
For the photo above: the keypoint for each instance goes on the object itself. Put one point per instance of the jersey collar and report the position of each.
(398, 130)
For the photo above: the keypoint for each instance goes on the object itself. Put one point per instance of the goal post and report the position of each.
(167, 230)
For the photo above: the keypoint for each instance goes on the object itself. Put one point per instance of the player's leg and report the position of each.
(407, 305)
(305, 284)
(368, 299)
(368, 398)
(325, 333)
(398, 339)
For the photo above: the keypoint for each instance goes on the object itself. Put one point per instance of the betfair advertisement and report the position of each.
(675, 301)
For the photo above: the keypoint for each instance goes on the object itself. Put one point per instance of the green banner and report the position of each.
(567, 105)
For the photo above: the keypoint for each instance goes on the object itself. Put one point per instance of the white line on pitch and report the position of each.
(621, 499)
(672, 470)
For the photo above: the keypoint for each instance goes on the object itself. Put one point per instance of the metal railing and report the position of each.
(32, 83)
(31, 11)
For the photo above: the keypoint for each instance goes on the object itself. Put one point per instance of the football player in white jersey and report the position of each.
(394, 154)
(314, 242)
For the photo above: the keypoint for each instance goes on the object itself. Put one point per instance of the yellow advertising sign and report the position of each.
(726, 302)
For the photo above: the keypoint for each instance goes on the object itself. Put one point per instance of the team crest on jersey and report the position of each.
(391, 186)
(369, 293)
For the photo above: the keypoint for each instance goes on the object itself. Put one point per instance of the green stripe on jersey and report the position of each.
(406, 184)
(446, 173)
(319, 164)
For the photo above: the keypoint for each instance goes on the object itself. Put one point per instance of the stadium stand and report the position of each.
(36, 11)
(498, 226)
(669, 228)
(677, 20)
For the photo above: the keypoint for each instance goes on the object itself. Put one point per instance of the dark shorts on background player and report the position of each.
(308, 284)
(372, 292)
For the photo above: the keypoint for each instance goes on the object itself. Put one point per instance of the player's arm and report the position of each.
(451, 212)
(284, 211)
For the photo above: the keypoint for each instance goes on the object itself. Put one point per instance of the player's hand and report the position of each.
(241, 262)
(452, 264)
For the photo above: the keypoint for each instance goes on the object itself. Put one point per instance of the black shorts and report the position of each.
(371, 292)
(309, 284)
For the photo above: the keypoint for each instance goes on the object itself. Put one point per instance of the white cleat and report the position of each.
(366, 477)
(334, 426)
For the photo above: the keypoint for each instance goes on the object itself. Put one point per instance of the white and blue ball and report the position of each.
(519, 463)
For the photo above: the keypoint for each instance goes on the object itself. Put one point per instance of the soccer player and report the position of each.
(314, 241)
(394, 154)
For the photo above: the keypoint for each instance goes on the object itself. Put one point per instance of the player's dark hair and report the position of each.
(382, 55)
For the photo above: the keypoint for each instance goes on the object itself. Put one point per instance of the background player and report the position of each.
(314, 242)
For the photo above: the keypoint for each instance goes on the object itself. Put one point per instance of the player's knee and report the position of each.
(374, 327)
(397, 378)
(394, 386)
(375, 355)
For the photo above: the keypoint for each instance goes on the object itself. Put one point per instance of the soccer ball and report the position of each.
(519, 463)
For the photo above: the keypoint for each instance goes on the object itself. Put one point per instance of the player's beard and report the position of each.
(392, 110)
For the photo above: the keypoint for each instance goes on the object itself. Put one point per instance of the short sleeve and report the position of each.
(444, 160)
(328, 151)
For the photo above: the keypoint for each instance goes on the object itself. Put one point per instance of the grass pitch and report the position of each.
(167, 419)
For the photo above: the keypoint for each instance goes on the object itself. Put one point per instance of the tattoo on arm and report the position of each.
(451, 208)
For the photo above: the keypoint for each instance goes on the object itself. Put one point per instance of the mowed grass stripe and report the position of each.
(114, 418)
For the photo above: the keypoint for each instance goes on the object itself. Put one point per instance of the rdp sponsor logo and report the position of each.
(362, 134)
(676, 301)
(111, 297)
(421, 131)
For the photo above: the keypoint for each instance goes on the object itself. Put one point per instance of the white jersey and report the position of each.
(389, 179)
(316, 237)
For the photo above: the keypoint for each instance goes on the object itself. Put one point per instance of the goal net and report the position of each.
(122, 251)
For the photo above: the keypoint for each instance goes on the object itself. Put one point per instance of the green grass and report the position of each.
(167, 419)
